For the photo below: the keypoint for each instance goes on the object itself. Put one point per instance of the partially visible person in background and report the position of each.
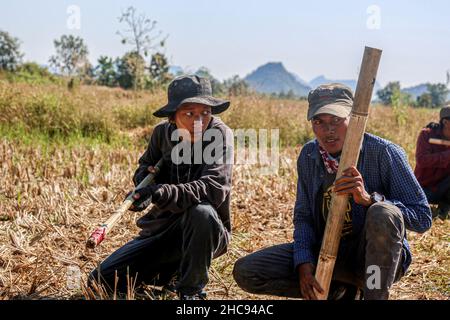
(433, 163)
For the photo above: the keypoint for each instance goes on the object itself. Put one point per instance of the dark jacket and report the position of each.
(185, 185)
(432, 160)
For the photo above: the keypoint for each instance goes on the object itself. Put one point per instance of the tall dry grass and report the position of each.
(107, 114)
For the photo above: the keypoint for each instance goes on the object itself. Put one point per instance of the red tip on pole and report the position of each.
(96, 237)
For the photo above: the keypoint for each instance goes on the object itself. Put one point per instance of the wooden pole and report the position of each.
(100, 233)
(349, 157)
(440, 142)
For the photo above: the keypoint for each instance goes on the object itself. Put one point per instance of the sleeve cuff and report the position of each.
(158, 195)
(302, 256)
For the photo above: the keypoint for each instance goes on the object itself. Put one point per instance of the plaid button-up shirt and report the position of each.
(384, 168)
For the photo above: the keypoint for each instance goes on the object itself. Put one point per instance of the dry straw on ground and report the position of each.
(52, 197)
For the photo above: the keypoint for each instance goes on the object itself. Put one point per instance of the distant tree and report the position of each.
(286, 95)
(34, 71)
(159, 70)
(87, 73)
(127, 67)
(399, 106)
(31, 72)
(139, 33)
(10, 55)
(105, 72)
(33, 68)
(216, 86)
(236, 86)
(407, 99)
(438, 92)
(385, 94)
(392, 92)
(290, 94)
(425, 100)
(71, 56)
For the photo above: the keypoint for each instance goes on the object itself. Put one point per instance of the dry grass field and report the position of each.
(67, 159)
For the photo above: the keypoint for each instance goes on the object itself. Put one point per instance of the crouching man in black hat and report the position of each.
(189, 224)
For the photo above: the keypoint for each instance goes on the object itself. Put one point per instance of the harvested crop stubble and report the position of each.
(50, 202)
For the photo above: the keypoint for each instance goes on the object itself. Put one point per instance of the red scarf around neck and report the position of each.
(331, 163)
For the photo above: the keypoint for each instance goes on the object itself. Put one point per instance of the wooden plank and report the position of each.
(349, 157)
(441, 142)
(100, 233)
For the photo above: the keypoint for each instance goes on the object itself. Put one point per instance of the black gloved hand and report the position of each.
(143, 197)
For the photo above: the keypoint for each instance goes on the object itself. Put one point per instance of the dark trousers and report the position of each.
(185, 248)
(440, 196)
(271, 271)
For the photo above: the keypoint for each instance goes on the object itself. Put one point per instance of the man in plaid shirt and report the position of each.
(385, 200)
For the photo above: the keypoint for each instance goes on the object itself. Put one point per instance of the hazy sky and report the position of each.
(235, 37)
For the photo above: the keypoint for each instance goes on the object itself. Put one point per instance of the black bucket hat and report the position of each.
(190, 89)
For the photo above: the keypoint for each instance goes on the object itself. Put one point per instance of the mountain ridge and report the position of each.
(274, 78)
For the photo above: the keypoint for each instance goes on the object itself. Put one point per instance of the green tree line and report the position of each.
(143, 66)
(435, 95)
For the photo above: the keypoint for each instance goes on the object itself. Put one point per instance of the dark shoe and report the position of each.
(197, 296)
(170, 287)
(434, 212)
(344, 291)
(443, 211)
(443, 215)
